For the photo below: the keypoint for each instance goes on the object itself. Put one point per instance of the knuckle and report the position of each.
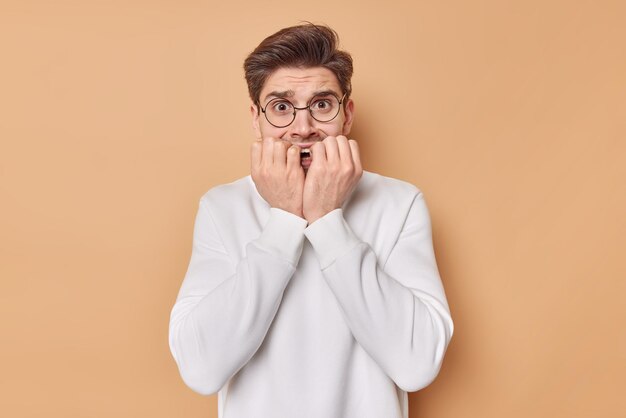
(257, 174)
(348, 170)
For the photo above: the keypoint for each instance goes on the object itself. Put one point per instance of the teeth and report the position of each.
(305, 153)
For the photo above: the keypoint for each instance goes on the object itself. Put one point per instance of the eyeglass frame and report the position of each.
(308, 106)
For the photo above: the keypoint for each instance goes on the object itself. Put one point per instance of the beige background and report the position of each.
(116, 116)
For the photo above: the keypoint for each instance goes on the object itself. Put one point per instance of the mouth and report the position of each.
(305, 158)
(305, 153)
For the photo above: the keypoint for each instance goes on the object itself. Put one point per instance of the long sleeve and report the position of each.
(225, 307)
(396, 311)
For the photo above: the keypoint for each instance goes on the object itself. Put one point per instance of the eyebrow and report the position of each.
(291, 93)
(280, 94)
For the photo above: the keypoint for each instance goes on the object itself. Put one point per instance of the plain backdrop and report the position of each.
(116, 116)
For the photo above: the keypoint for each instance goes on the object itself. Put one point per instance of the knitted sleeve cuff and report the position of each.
(283, 235)
(331, 237)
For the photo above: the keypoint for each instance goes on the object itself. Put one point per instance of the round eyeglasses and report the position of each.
(281, 113)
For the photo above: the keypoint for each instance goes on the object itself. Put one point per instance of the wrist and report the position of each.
(291, 209)
(315, 215)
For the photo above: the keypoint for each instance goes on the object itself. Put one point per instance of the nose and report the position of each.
(302, 126)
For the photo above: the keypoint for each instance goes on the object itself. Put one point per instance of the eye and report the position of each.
(281, 106)
(324, 105)
(321, 104)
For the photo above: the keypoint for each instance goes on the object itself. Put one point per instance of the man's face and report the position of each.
(299, 86)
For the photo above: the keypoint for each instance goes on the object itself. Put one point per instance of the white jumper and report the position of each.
(337, 319)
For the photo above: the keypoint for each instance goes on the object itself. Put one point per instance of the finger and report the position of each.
(318, 153)
(280, 153)
(293, 157)
(332, 152)
(256, 151)
(356, 155)
(345, 152)
(267, 159)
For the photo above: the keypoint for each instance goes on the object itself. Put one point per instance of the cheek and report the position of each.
(268, 130)
(335, 128)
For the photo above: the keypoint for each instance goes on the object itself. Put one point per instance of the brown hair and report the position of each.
(305, 45)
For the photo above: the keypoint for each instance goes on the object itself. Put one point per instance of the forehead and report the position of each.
(302, 81)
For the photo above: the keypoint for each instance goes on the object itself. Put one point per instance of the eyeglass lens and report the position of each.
(281, 112)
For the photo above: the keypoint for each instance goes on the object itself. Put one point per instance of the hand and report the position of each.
(334, 172)
(277, 174)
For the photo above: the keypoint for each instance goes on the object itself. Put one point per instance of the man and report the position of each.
(312, 289)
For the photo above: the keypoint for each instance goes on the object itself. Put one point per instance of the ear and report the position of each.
(256, 127)
(348, 109)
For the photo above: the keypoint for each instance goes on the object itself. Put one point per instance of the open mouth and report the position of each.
(305, 153)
